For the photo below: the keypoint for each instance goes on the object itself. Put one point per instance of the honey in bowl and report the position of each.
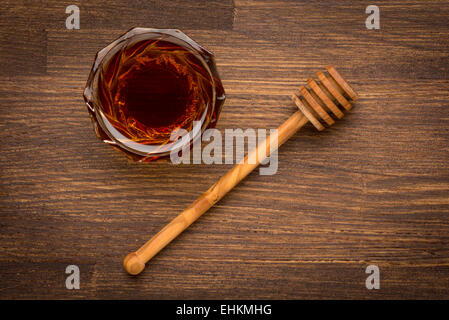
(148, 84)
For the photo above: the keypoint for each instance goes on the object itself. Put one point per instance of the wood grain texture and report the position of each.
(372, 189)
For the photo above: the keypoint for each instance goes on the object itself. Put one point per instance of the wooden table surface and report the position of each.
(373, 189)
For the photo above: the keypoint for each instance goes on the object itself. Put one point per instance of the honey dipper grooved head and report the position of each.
(132, 264)
(325, 95)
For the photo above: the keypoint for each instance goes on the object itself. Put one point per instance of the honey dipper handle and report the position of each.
(134, 263)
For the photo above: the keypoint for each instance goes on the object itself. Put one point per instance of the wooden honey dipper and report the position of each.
(312, 104)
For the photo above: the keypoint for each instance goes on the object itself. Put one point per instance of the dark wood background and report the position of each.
(373, 189)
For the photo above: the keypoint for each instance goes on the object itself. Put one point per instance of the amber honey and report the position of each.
(148, 85)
